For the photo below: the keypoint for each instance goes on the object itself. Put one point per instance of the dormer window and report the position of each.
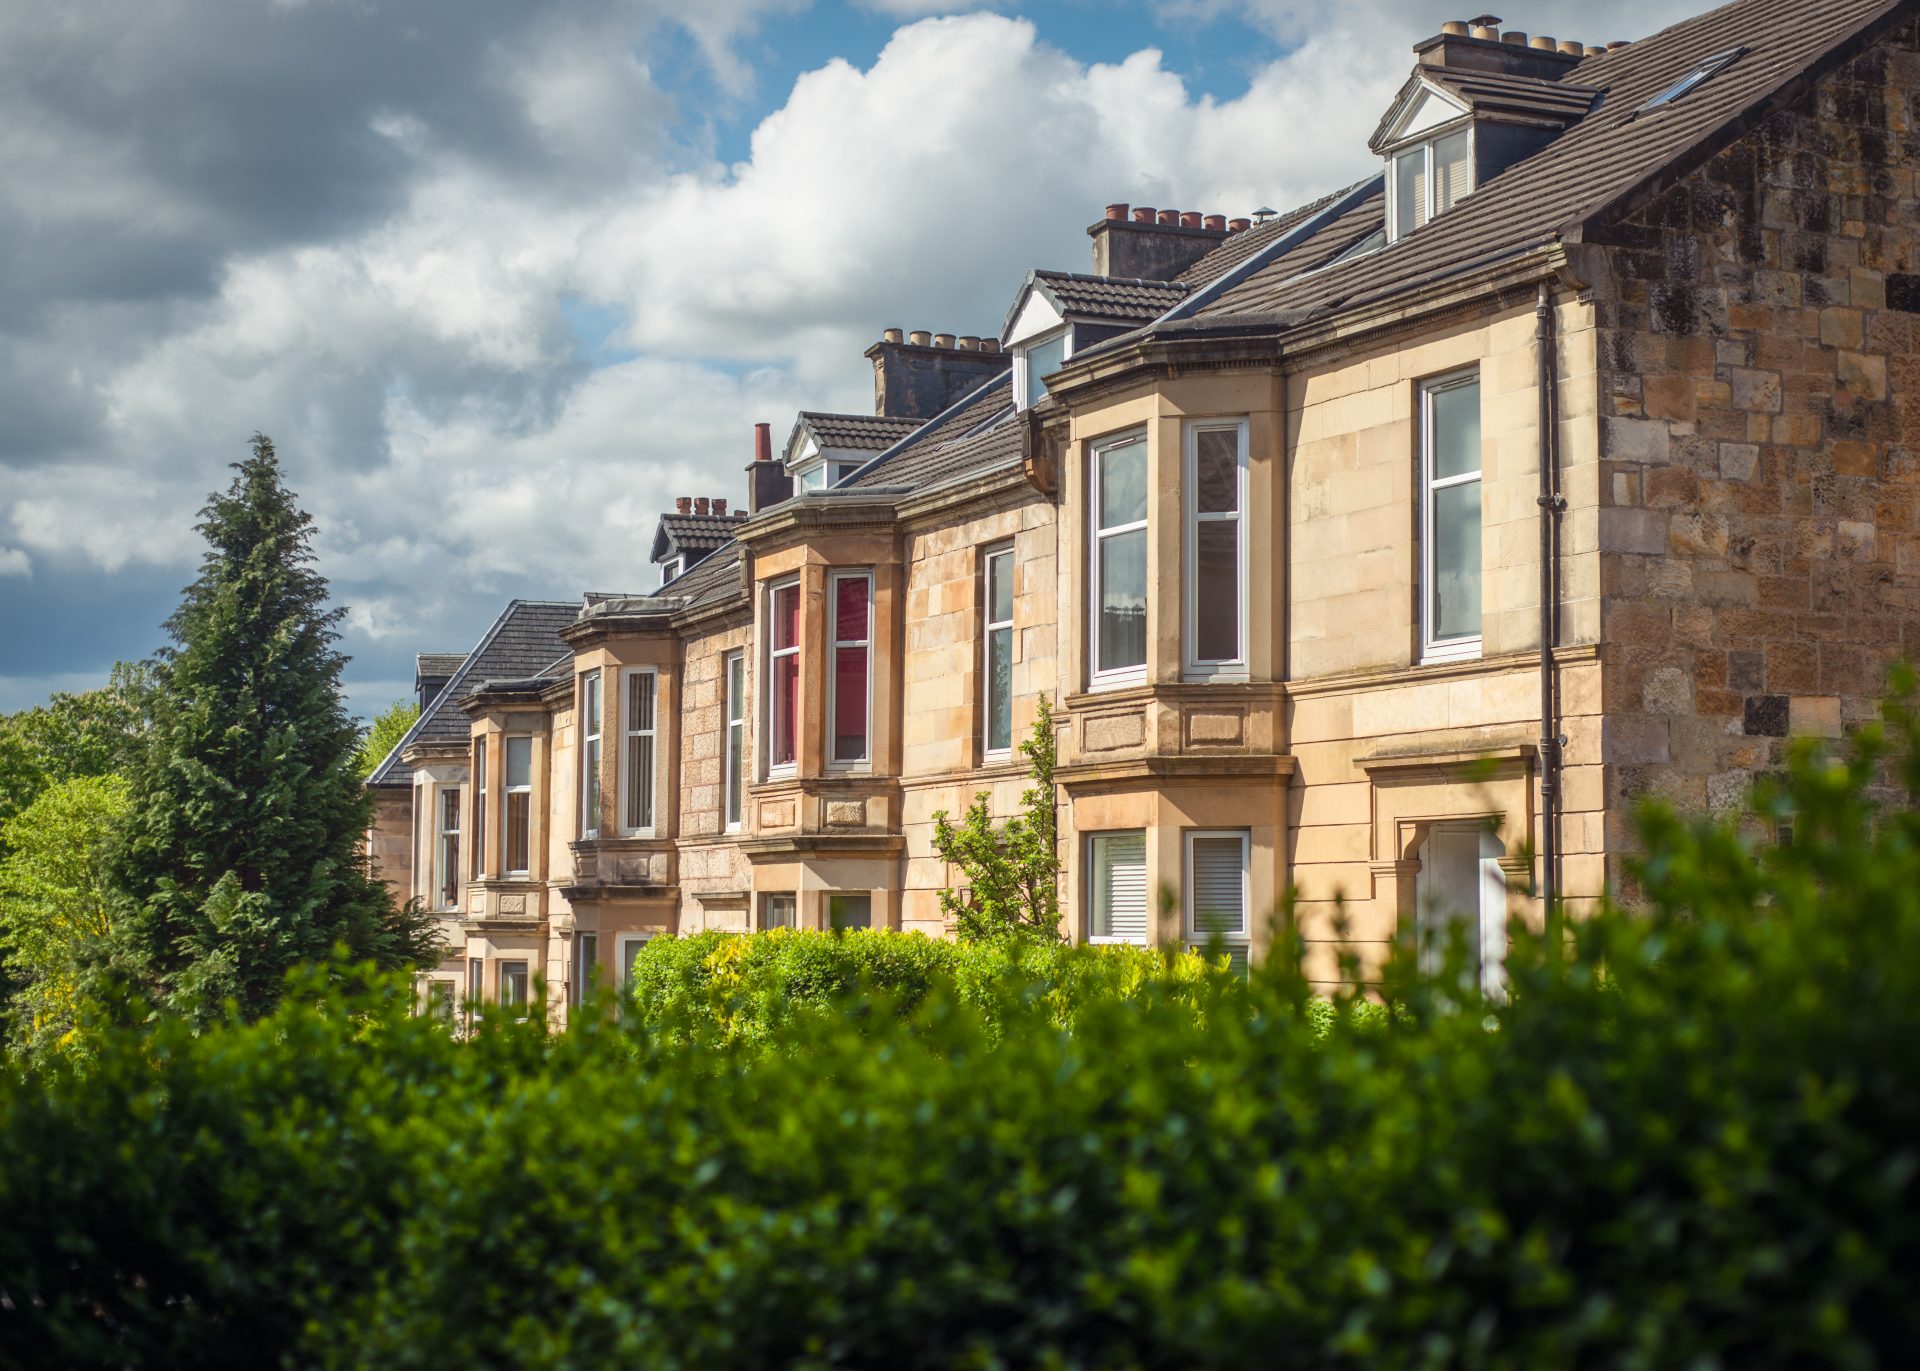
(1034, 362)
(671, 568)
(1429, 179)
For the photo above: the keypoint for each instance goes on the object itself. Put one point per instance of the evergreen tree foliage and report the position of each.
(1009, 876)
(389, 726)
(242, 854)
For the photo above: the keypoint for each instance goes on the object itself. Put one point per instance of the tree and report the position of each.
(55, 910)
(389, 726)
(94, 733)
(1012, 873)
(243, 850)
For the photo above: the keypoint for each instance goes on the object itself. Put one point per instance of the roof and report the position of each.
(694, 534)
(1606, 163)
(1497, 95)
(522, 641)
(430, 666)
(1107, 297)
(950, 445)
(1250, 242)
(859, 432)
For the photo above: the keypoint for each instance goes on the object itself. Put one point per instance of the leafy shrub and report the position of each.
(1689, 1139)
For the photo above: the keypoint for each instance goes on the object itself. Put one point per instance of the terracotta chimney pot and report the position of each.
(683, 504)
(1239, 225)
(720, 505)
(943, 340)
(920, 338)
(1215, 222)
(1143, 214)
(702, 505)
(763, 439)
(1189, 218)
(1169, 218)
(1117, 210)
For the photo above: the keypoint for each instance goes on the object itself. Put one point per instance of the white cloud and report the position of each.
(14, 562)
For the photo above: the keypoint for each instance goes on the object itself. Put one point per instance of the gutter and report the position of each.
(1552, 505)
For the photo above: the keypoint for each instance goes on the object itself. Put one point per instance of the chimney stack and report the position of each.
(922, 376)
(767, 480)
(1156, 244)
(1478, 44)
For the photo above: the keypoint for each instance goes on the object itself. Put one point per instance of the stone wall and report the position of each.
(1760, 429)
(710, 860)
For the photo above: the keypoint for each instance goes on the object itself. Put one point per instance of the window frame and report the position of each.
(476, 986)
(770, 770)
(627, 734)
(1118, 677)
(1464, 648)
(988, 627)
(447, 874)
(1425, 147)
(1198, 941)
(479, 859)
(591, 703)
(1195, 667)
(831, 741)
(621, 942)
(1021, 352)
(584, 966)
(1091, 882)
(503, 979)
(767, 897)
(1701, 73)
(827, 919)
(733, 693)
(507, 792)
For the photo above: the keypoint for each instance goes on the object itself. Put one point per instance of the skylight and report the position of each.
(1699, 76)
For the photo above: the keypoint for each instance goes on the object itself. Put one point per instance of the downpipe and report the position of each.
(1552, 505)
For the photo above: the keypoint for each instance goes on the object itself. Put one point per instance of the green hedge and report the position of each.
(1690, 1139)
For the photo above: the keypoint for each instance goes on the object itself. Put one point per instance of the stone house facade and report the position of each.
(1387, 551)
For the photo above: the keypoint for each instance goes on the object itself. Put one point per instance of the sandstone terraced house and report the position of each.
(1573, 455)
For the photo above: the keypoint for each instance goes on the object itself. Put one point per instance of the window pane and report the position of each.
(513, 983)
(1216, 462)
(777, 911)
(1410, 191)
(587, 961)
(519, 804)
(519, 761)
(590, 788)
(999, 587)
(999, 689)
(1219, 884)
(640, 695)
(629, 953)
(1217, 591)
(476, 973)
(850, 704)
(736, 769)
(786, 617)
(1043, 359)
(440, 1000)
(736, 686)
(786, 703)
(850, 911)
(640, 781)
(1123, 601)
(1456, 430)
(850, 609)
(1119, 908)
(1452, 171)
(1123, 484)
(1456, 561)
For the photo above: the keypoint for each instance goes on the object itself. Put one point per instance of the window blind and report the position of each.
(1452, 171)
(1219, 894)
(1120, 887)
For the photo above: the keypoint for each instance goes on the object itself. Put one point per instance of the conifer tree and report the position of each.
(242, 853)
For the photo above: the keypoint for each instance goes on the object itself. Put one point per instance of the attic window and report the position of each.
(671, 568)
(1034, 361)
(1428, 180)
(1699, 76)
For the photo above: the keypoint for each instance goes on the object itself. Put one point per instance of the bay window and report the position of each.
(852, 601)
(783, 676)
(446, 866)
(736, 679)
(517, 811)
(637, 769)
(479, 807)
(996, 705)
(1216, 550)
(1429, 179)
(1450, 517)
(1117, 887)
(589, 754)
(1216, 885)
(1119, 561)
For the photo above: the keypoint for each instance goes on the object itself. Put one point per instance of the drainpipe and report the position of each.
(1552, 505)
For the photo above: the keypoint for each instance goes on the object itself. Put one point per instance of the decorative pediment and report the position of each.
(1033, 314)
(1420, 107)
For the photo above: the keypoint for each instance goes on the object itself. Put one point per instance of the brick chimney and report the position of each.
(701, 505)
(1479, 45)
(917, 377)
(683, 504)
(1154, 245)
(720, 506)
(767, 480)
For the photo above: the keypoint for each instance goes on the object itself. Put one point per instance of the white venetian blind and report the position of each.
(1120, 887)
(1219, 884)
(1452, 171)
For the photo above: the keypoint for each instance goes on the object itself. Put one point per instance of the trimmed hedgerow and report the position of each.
(1688, 1139)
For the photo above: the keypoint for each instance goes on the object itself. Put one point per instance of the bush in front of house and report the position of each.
(1690, 1138)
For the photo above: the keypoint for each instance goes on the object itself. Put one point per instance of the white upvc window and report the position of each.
(479, 808)
(1035, 361)
(672, 567)
(639, 768)
(850, 708)
(1428, 179)
(446, 856)
(1216, 580)
(515, 987)
(586, 961)
(734, 669)
(781, 731)
(517, 811)
(779, 909)
(1217, 893)
(476, 984)
(1450, 518)
(630, 945)
(1117, 887)
(996, 653)
(590, 726)
(1117, 571)
(810, 478)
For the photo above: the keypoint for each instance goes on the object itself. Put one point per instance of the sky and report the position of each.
(501, 278)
